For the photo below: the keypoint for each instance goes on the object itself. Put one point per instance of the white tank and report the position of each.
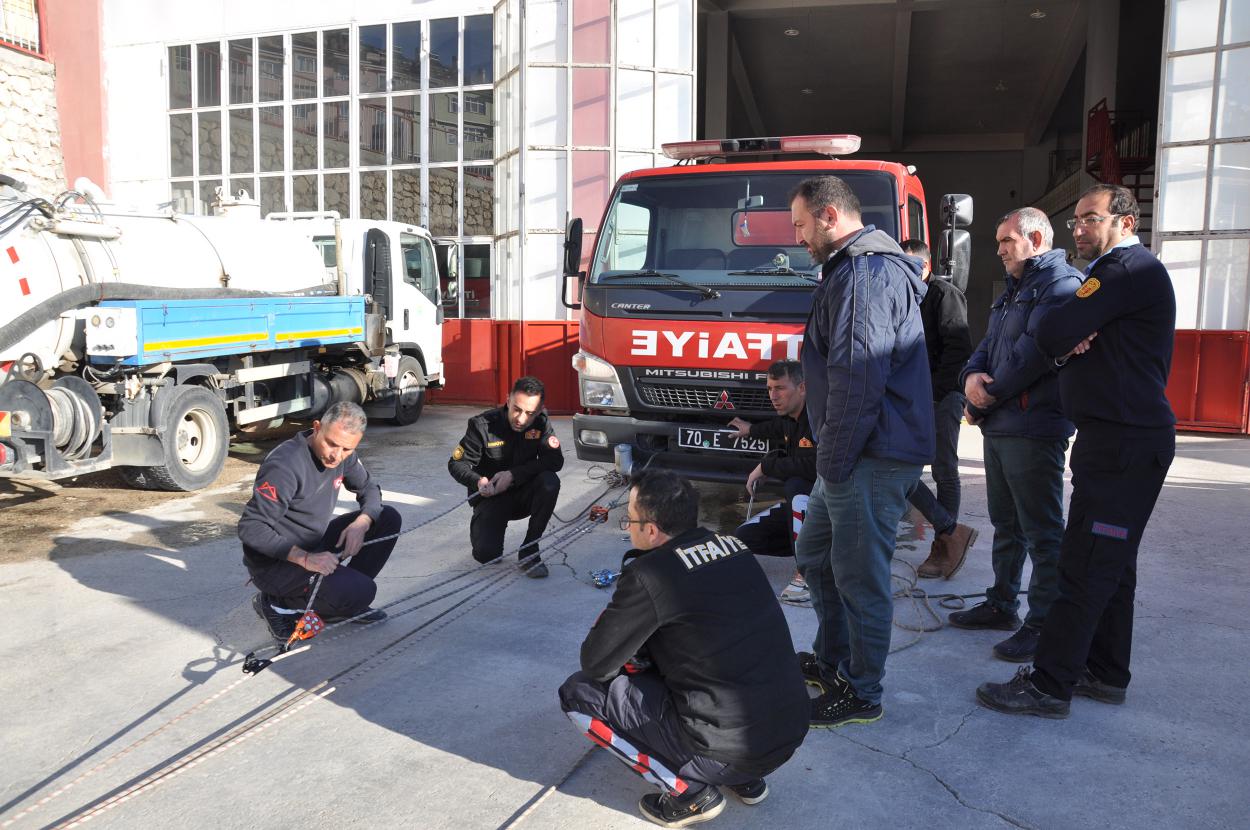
(171, 250)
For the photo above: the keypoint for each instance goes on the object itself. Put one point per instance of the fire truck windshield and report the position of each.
(731, 230)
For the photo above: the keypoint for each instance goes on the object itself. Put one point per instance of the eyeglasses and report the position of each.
(626, 522)
(1090, 221)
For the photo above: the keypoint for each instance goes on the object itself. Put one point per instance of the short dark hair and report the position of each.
(1122, 202)
(917, 248)
(529, 385)
(667, 500)
(822, 191)
(791, 369)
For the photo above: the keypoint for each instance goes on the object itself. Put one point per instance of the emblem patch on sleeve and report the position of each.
(806, 442)
(553, 442)
(1088, 287)
(457, 453)
(268, 491)
(532, 435)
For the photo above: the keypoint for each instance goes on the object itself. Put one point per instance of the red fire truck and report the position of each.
(696, 285)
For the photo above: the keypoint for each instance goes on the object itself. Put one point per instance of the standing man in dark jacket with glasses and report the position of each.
(1013, 394)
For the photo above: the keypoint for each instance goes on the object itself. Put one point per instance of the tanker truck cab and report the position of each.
(696, 284)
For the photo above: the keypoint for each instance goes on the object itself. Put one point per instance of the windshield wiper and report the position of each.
(774, 272)
(710, 293)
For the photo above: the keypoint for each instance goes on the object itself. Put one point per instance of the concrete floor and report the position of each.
(121, 662)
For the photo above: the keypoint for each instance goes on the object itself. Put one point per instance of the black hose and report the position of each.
(26, 323)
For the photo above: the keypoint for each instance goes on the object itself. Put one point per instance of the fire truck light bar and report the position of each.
(828, 145)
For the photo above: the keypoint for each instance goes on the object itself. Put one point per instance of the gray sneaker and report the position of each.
(796, 592)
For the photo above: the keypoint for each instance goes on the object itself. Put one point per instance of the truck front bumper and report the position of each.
(655, 444)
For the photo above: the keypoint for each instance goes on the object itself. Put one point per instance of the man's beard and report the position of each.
(820, 252)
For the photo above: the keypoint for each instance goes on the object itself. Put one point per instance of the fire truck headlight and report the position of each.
(600, 385)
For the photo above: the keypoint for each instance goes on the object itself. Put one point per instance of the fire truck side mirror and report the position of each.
(955, 255)
(956, 210)
(572, 263)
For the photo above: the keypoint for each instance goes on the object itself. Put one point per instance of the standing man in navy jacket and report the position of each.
(1013, 394)
(869, 405)
(1114, 389)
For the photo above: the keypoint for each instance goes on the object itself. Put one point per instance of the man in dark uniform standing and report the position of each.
(1113, 340)
(509, 456)
(290, 534)
(792, 461)
(688, 675)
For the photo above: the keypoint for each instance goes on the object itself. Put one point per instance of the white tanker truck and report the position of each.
(137, 340)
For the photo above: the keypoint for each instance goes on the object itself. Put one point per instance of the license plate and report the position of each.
(696, 438)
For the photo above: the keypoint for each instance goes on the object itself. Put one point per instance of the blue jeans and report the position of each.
(1024, 491)
(942, 511)
(844, 552)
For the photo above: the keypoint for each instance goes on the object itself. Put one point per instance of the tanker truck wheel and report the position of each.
(195, 438)
(410, 381)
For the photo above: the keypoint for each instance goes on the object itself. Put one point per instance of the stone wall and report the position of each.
(30, 132)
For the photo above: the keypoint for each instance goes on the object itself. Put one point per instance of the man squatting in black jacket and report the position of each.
(509, 457)
(689, 675)
(289, 536)
(790, 460)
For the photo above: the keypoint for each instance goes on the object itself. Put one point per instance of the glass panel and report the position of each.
(182, 197)
(210, 142)
(206, 191)
(1183, 259)
(247, 186)
(1237, 21)
(1193, 24)
(479, 201)
(592, 31)
(180, 152)
(272, 195)
(1233, 120)
(635, 32)
(241, 141)
(1183, 189)
(304, 192)
(269, 51)
(372, 132)
(477, 50)
(1225, 299)
(634, 104)
(336, 67)
(336, 147)
(337, 193)
(443, 135)
(479, 131)
(405, 129)
(477, 280)
(179, 77)
(405, 56)
(673, 44)
(271, 139)
(241, 71)
(304, 65)
(373, 59)
(419, 270)
(1187, 97)
(444, 220)
(673, 98)
(1230, 187)
(208, 67)
(304, 137)
(373, 195)
(406, 196)
(444, 52)
(450, 289)
(592, 107)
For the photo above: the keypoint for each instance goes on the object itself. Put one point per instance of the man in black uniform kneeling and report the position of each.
(689, 675)
(509, 456)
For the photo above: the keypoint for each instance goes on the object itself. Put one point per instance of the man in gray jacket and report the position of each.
(869, 405)
(1013, 395)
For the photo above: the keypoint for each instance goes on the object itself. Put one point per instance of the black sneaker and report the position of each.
(985, 616)
(669, 810)
(1093, 688)
(809, 666)
(1019, 696)
(281, 623)
(841, 706)
(369, 615)
(535, 569)
(752, 792)
(1019, 647)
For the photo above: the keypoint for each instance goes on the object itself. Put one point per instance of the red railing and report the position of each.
(1117, 143)
(21, 26)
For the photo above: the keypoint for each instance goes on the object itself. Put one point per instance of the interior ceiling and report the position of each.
(904, 74)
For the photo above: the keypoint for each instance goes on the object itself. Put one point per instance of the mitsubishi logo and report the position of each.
(723, 402)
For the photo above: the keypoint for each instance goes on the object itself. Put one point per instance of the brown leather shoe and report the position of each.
(947, 555)
(931, 568)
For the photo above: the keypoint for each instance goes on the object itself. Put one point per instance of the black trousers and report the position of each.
(347, 591)
(773, 531)
(535, 498)
(633, 717)
(1116, 479)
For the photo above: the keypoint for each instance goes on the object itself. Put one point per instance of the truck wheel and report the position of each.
(410, 382)
(195, 438)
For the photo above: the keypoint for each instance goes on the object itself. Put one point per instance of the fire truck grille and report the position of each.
(704, 397)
